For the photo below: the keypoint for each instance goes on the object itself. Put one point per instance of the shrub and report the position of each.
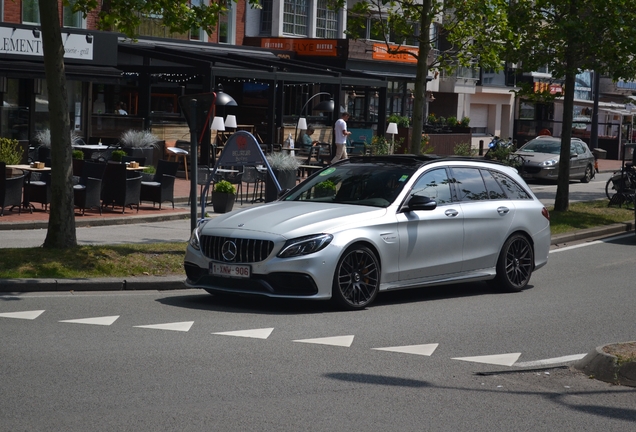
(402, 121)
(451, 121)
(464, 149)
(139, 139)
(379, 146)
(10, 151)
(464, 122)
(78, 154)
(282, 161)
(225, 186)
(117, 155)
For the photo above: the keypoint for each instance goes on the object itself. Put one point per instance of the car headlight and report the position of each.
(195, 241)
(550, 162)
(305, 245)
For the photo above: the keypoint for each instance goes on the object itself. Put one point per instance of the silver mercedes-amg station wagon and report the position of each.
(377, 223)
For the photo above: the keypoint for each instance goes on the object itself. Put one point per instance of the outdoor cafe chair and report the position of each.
(161, 188)
(10, 190)
(119, 189)
(87, 193)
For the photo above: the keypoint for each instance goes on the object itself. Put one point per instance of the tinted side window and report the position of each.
(435, 185)
(469, 184)
(512, 189)
(494, 190)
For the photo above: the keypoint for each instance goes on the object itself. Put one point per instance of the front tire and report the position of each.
(356, 281)
(515, 264)
(589, 173)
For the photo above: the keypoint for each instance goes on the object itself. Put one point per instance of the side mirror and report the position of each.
(419, 202)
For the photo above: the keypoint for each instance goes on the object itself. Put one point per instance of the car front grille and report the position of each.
(246, 250)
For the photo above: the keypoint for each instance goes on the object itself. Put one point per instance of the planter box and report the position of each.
(286, 180)
(222, 202)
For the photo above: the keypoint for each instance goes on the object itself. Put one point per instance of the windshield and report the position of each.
(542, 146)
(376, 184)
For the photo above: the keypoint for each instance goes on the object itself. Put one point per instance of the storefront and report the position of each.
(91, 57)
(270, 87)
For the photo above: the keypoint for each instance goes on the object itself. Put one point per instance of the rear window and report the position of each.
(512, 189)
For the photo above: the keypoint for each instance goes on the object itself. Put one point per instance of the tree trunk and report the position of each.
(61, 229)
(561, 200)
(420, 79)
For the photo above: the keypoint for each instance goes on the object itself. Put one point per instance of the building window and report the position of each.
(72, 19)
(295, 17)
(266, 17)
(152, 25)
(30, 12)
(225, 27)
(326, 21)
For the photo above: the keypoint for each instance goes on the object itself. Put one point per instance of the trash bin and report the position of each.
(599, 153)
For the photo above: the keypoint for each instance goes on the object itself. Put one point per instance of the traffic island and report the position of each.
(614, 363)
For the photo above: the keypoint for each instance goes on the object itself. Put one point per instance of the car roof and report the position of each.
(552, 138)
(417, 160)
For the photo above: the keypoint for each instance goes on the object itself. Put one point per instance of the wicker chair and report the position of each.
(161, 188)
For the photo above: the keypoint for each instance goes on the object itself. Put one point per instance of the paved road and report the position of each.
(179, 230)
(451, 358)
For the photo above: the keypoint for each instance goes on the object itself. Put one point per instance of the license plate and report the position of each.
(230, 270)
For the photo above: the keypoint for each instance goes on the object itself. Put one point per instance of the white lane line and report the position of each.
(105, 321)
(567, 248)
(551, 361)
(254, 333)
(425, 349)
(497, 359)
(344, 341)
(28, 315)
(178, 326)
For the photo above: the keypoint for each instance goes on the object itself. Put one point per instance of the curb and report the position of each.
(592, 233)
(605, 367)
(95, 284)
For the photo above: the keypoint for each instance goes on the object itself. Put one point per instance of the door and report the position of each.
(488, 215)
(431, 240)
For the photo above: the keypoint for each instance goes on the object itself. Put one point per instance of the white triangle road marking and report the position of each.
(29, 315)
(344, 341)
(105, 321)
(497, 359)
(178, 326)
(425, 349)
(551, 361)
(262, 333)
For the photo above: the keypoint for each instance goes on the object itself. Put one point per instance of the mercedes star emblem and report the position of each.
(229, 250)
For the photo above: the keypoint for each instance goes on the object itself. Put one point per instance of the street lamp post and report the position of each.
(193, 109)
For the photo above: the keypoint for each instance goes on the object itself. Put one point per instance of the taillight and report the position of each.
(545, 213)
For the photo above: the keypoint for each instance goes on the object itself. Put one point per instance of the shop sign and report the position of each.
(380, 52)
(540, 87)
(28, 42)
(305, 47)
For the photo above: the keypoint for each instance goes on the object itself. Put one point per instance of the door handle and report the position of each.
(503, 210)
(451, 213)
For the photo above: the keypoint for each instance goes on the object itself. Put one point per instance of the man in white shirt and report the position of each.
(340, 137)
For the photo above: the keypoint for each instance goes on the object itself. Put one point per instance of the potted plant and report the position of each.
(223, 196)
(78, 162)
(285, 168)
(140, 143)
(116, 155)
(324, 189)
(10, 153)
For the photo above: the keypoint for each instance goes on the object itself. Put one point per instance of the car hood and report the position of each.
(532, 157)
(292, 219)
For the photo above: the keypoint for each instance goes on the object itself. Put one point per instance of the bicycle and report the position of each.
(621, 186)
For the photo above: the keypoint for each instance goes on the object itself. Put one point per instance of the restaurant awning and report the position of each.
(76, 72)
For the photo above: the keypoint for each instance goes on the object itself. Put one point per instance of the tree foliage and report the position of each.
(571, 36)
(472, 34)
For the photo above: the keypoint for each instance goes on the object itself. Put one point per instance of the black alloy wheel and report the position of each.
(515, 264)
(356, 280)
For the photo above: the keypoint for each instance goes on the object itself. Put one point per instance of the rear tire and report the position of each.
(515, 264)
(609, 189)
(356, 281)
